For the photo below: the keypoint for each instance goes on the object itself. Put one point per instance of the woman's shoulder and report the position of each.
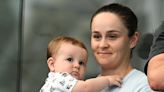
(138, 72)
(136, 76)
(138, 81)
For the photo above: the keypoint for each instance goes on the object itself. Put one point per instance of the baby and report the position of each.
(67, 60)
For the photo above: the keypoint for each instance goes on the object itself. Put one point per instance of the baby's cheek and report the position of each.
(83, 74)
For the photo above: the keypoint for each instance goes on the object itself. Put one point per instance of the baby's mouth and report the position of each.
(75, 74)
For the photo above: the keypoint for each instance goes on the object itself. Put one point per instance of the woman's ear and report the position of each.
(134, 39)
(51, 63)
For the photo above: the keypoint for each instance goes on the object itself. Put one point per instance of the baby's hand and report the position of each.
(114, 80)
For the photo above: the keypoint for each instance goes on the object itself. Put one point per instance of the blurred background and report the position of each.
(26, 27)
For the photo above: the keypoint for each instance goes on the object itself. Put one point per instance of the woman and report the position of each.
(114, 35)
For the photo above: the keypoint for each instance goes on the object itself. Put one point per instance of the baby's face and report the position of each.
(71, 59)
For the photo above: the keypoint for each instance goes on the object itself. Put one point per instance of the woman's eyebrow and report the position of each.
(95, 32)
(113, 31)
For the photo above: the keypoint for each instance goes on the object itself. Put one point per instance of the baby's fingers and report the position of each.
(116, 82)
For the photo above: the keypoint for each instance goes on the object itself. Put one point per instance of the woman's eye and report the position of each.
(112, 36)
(97, 37)
(69, 59)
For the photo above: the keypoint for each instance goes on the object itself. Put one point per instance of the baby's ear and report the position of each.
(51, 63)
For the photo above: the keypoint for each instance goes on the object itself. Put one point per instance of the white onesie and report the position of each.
(59, 82)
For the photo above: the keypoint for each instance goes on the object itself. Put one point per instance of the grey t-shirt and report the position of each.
(157, 45)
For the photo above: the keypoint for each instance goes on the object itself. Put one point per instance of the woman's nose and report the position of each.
(103, 43)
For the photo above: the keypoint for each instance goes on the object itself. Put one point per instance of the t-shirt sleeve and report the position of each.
(59, 82)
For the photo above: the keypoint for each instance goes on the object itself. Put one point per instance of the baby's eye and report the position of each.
(81, 63)
(70, 59)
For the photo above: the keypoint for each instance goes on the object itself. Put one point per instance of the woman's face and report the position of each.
(109, 41)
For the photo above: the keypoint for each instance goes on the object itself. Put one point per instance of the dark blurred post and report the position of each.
(20, 47)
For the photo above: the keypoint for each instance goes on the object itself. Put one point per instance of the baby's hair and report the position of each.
(55, 44)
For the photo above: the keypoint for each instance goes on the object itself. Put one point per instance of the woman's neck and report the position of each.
(121, 71)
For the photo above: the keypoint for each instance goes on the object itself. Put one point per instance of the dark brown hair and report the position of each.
(125, 13)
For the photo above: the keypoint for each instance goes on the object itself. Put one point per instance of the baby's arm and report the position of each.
(96, 84)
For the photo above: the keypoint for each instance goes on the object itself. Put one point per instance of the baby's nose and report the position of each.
(77, 65)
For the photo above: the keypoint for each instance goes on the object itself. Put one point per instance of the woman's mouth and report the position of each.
(104, 53)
